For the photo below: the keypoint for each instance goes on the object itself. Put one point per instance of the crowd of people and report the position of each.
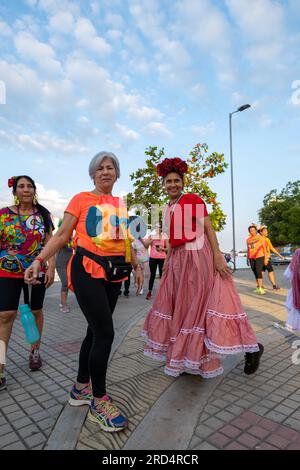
(196, 317)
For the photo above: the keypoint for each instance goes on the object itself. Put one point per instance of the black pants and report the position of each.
(97, 299)
(153, 263)
(257, 267)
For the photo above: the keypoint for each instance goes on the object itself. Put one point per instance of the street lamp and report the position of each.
(241, 108)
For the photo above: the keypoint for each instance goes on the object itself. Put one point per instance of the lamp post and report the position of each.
(241, 108)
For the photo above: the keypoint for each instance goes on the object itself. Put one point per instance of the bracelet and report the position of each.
(38, 258)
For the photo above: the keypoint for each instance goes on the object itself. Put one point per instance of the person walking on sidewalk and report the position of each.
(142, 254)
(62, 260)
(100, 222)
(292, 273)
(263, 231)
(25, 228)
(158, 253)
(257, 256)
(197, 315)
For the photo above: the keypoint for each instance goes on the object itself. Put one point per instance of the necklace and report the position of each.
(166, 227)
(23, 224)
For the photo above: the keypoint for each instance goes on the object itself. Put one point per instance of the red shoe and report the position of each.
(148, 296)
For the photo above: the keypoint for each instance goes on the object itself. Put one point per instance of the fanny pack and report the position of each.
(115, 267)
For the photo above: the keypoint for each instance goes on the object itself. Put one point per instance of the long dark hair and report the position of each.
(41, 209)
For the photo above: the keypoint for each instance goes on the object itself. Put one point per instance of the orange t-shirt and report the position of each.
(256, 247)
(101, 228)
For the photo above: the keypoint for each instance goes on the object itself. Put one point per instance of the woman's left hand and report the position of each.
(49, 278)
(138, 280)
(220, 265)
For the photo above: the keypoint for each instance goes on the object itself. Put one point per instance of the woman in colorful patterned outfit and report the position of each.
(25, 228)
(100, 222)
(257, 256)
(197, 315)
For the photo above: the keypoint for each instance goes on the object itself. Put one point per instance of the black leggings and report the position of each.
(257, 267)
(153, 263)
(97, 299)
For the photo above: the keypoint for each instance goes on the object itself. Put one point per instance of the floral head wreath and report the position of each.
(170, 165)
(11, 181)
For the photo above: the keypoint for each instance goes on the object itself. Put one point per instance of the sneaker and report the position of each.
(260, 291)
(80, 397)
(126, 293)
(107, 415)
(148, 296)
(3, 385)
(142, 292)
(275, 287)
(66, 309)
(252, 360)
(35, 361)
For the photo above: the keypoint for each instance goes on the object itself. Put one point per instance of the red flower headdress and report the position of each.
(170, 165)
(11, 181)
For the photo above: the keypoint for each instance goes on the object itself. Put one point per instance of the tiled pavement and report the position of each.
(241, 412)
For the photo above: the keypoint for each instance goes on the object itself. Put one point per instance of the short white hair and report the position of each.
(98, 159)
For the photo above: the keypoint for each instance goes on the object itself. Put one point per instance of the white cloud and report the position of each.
(114, 20)
(199, 89)
(114, 34)
(55, 6)
(203, 130)
(265, 121)
(264, 52)
(157, 129)
(23, 86)
(127, 133)
(144, 113)
(5, 30)
(263, 20)
(205, 26)
(52, 200)
(29, 47)
(62, 22)
(86, 35)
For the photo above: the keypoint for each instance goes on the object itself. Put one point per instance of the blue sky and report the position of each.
(84, 76)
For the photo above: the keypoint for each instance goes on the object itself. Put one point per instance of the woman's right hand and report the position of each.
(32, 273)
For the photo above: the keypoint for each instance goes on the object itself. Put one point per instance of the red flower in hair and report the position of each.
(11, 181)
(170, 165)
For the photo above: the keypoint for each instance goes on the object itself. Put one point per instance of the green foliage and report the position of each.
(281, 213)
(148, 187)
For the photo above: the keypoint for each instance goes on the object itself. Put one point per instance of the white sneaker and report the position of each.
(142, 291)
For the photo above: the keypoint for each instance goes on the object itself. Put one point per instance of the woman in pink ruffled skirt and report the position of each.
(197, 316)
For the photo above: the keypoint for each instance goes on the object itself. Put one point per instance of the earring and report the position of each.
(16, 200)
(34, 200)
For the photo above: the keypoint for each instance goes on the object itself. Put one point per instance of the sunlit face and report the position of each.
(264, 232)
(25, 191)
(253, 231)
(173, 184)
(106, 175)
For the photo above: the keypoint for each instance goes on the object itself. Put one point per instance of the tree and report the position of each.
(148, 188)
(281, 213)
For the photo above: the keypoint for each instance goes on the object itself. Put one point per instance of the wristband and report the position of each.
(39, 259)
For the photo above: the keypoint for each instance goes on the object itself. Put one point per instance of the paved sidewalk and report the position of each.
(233, 411)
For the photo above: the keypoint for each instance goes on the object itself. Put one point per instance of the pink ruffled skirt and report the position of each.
(197, 317)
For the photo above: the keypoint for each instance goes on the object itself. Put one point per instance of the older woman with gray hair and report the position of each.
(101, 260)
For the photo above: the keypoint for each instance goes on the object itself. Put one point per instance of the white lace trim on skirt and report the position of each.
(243, 348)
(229, 316)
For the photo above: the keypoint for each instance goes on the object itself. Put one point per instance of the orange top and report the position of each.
(256, 247)
(101, 228)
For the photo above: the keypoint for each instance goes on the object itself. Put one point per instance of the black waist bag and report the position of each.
(115, 267)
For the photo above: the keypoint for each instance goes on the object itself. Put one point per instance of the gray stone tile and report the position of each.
(35, 440)
(9, 439)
